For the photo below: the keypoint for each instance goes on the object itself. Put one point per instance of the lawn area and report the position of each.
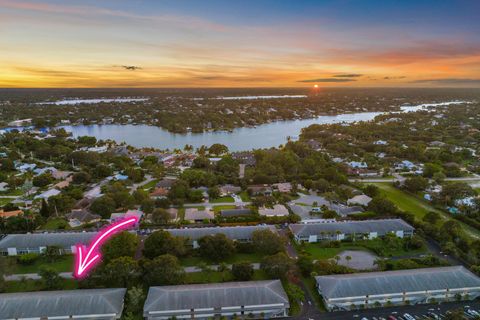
(56, 224)
(15, 192)
(150, 185)
(222, 199)
(317, 252)
(4, 201)
(238, 257)
(217, 209)
(244, 196)
(36, 285)
(417, 206)
(211, 277)
(64, 264)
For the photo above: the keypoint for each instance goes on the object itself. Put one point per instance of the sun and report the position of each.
(315, 86)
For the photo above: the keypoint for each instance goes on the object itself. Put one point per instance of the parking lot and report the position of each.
(426, 311)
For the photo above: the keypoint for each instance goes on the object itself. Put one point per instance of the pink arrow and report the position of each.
(87, 258)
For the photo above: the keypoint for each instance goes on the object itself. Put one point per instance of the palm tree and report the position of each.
(222, 268)
(337, 258)
(348, 258)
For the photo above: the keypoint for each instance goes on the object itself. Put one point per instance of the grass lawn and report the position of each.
(317, 252)
(4, 201)
(222, 199)
(244, 196)
(56, 224)
(417, 206)
(150, 185)
(311, 287)
(216, 209)
(238, 257)
(64, 264)
(15, 192)
(212, 277)
(181, 214)
(36, 285)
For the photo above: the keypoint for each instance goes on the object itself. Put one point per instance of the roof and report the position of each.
(278, 210)
(83, 215)
(61, 303)
(195, 214)
(215, 295)
(381, 226)
(234, 233)
(8, 214)
(36, 240)
(47, 194)
(389, 282)
(362, 199)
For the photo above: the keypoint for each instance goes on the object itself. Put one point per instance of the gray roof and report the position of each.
(36, 240)
(61, 303)
(240, 232)
(215, 295)
(382, 226)
(389, 282)
(235, 212)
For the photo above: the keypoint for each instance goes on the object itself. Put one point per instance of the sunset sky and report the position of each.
(261, 43)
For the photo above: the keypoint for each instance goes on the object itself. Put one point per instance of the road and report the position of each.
(210, 205)
(475, 178)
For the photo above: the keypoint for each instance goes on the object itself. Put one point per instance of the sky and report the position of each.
(261, 43)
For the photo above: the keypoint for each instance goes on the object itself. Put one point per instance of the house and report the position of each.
(25, 167)
(252, 299)
(8, 214)
(380, 143)
(261, 189)
(228, 189)
(278, 210)
(362, 200)
(18, 244)
(123, 215)
(237, 233)
(246, 157)
(346, 230)
(173, 212)
(20, 123)
(358, 165)
(81, 216)
(59, 175)
(47, 194)
(237, 212)
(39, 171)
(166, 183)
(414, 286)
(285, 187)
(120, 177)
(63, 184)
(87, 304)
(195, 215)
(159, 193)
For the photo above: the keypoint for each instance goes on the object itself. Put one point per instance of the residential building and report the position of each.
(47, 194)
(238, 233)
(249, 299)
(88, 304)
(130, 213)
(284, 187)
(18, 244)
(362, 200)
(414, 286)
(348, 230)
(261, 189)
(237, 212)
(228, 189)
(195, 215)
(8, 214)
(81, 216)
(278, 210)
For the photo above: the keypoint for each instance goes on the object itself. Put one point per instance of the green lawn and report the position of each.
(35, 285)
(150, 185)
(244, 196)
(222, 199)
(238, 257)
(416, 205)
(317, 252)
(217, 209)
(211, 277)
(64, 264)
(56, 224)
(4, 201)
(15, 192)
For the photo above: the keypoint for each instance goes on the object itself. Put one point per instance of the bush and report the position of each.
(28, 258)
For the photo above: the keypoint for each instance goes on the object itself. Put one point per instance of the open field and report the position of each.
(238, 257)
(63, 264)
(417, 206)
(222, 200)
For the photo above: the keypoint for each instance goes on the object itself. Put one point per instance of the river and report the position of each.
(263, 136)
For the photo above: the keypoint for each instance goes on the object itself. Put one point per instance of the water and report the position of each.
(263, 136)
(91, 101)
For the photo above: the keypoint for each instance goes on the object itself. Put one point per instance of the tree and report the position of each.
(147, 206)
(305, 264)
(432, 217)
(44, 210)
(415, 184)
(123, 244)
(242, 271)
(119, 272)
(218, 149)
(52, 253)
(135, 300)
(371, 190)
(162, 242)
(81, 177)
(382, 206)
(277, 266)
(267, 242)
(160, 216)
(163, 270)
(222, 268)
(51, 279)
(42, 180)
(348, 259)
(103, 206)
(216, 247)
(214, 192)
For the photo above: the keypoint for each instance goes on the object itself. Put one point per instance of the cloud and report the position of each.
(351, 75)
(328, 80)
(131, 68)
(449, 81)
(393, 78)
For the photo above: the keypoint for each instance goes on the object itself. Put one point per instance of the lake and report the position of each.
(263, 136)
